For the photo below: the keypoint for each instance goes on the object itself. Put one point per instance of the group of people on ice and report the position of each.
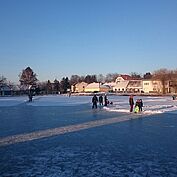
(102, 101)
(138, 105)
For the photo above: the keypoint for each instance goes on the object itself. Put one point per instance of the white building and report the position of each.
(152, 86)
(135, 86)
(121, 86)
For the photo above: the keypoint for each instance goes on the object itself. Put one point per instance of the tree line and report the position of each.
(28, 78)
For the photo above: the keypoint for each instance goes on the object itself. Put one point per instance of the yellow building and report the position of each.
(97, 87)
(79, 87)
(93, 87)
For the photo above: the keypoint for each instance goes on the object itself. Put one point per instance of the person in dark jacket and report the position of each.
(141, 105)
(131, 103)
(94, 102)
(30, 96)
(105, 100)
(101, 100)
(174, 97)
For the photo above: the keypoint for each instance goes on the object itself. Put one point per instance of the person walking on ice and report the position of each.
(105, 100)
(94, 102)
(131, 103)
(101, 100)
(140, 105)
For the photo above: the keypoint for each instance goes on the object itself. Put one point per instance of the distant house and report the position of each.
(97, 87)
(79, 87)
(123, 77)
(172, 86)
(93, 87)
(121, 82)
(121, 86)
(105, 88)
(16, 90)
(152, 86)
(5, 90)
(110, 84)
(135, 86)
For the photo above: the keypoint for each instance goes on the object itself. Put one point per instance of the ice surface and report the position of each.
(62, 136)
(12, 101)
(134, 149)
(60, 100)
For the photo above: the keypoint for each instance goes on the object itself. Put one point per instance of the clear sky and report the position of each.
(58, 38)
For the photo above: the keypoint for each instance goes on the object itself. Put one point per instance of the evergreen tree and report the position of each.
(147, 75)
(56, 85)
(90, 78)
(64, 85)
(49, 87)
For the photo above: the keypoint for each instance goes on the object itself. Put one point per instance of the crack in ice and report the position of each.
(61, 130)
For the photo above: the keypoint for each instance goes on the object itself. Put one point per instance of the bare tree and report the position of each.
(173, 80)
(28, 77)
(163, 75)
(74, 79)
(135, 75)
(111, 77)
(3, 80)
(100, 78)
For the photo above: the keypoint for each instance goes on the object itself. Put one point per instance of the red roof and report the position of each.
(126, 77)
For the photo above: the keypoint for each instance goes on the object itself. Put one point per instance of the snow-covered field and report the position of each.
(152, 105)
(60, 136)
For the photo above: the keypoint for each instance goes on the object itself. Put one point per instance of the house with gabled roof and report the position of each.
(135, 86)
(123, 77)
(121, 86)
(121, 83)
(97, 87)
(152, 86)
(93, 87)
(79, 87)
(5, 90)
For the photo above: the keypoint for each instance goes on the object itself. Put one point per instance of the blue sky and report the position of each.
(58, 38)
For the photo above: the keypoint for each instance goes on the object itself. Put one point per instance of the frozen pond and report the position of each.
(63, 136)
